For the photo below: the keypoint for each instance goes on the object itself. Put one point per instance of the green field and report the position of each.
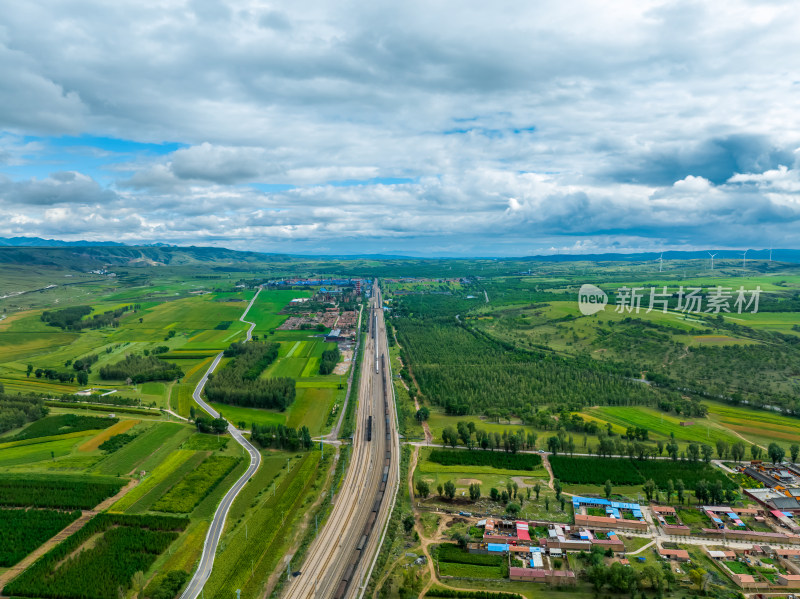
(146, 451)
(265, 311)
(37, 453)
(758, 426)
(661, 425)
(259, 546)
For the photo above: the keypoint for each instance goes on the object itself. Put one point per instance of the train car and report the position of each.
(341, 589)
(369, 428)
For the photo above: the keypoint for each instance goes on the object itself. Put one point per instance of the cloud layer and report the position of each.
(443, 128)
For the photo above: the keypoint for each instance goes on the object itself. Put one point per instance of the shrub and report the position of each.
(496, 459)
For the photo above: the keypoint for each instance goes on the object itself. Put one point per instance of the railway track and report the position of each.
(342, 554)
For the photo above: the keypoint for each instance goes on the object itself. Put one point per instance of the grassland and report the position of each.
(462, 476)
(196, 485)
(123, 426)
(265, 311)
(661, 425)
(757, 426)
(144, 452)
(250, 551)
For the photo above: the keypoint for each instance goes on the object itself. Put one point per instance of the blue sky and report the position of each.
(447, 128)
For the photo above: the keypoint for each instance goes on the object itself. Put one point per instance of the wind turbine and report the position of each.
(712, 260)
(744, 260)
(661, 262)
(770, 253)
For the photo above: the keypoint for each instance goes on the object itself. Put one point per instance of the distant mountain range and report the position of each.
(778, 255)
(93, 254)
(39, 242)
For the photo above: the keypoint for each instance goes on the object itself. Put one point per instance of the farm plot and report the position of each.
(508, 461)
(621, 471)
(267, 540)
(265, 310)
(195, 486)
(661, 425)
(758, 426)
(62, 424)
(249, 416)
(453, 561)
(311, 407)
(121, 427)
(22, 531)
(61, 491)
(173, 462)
(35, 454)
(81, 570)
(147, 448)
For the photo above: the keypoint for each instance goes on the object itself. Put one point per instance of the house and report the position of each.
(789, 580)
(680, 555)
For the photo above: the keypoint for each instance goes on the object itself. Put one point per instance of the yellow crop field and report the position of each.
(117, 429)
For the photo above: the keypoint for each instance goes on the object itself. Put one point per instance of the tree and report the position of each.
(536, 489)
(449, 489)
(450, 436)
(794, 450)
(494, 494)
(474, 491)
(608, 488)
(440, 490)
(698, 577)
(423, 489)
(504, 497)
(553, 445)
(546, 504)
(670, 490)
(516, 489)
(29, 370)
(557, 488)
(694, 452)
(701, 491)
(738, 451)
(649, 489)
(512, 508)
(755, 451)
(707, 452)
(775, 453)
(680, 489)
(219, 425)
(528, 493)
(422, 414)
(408, 522)
(138, 581)
(722, 449)
(83, 377)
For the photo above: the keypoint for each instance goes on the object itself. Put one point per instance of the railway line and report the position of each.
(341, 557)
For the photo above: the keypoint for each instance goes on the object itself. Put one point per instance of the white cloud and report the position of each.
(648, 120)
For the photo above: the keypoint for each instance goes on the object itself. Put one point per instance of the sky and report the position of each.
(420, 128)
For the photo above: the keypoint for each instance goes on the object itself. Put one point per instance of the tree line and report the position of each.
(140, 369)
(238, 383)
(17, 410)
(281, 437)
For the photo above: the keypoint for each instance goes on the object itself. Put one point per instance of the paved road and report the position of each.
(203, 571)
(335, 547)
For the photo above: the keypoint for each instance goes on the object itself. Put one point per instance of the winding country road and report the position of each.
(203, 571)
